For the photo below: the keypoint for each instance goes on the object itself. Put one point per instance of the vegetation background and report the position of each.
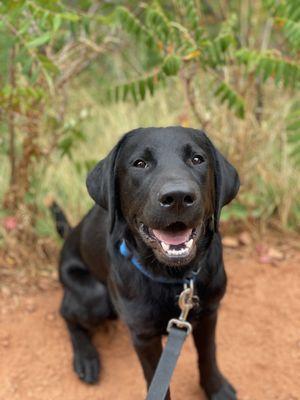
(75, 75)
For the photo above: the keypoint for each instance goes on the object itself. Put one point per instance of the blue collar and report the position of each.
(161, 279)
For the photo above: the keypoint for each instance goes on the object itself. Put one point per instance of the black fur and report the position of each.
(100, 283)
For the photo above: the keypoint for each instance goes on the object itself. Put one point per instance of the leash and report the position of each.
(178, 330)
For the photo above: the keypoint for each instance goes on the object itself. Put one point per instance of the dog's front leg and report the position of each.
(149, 351)
(212, 381)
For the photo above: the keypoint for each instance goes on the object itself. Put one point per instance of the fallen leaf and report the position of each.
(31, 307)
(230, 241)
(275, 254)
(10, 223)
(265, 259)
(245, 238)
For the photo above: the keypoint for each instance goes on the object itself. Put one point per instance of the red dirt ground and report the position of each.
(258, 342)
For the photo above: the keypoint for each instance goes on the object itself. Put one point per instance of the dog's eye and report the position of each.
(140, 164)
(197, 159)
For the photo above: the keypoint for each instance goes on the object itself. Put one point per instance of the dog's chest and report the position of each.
(149, 308)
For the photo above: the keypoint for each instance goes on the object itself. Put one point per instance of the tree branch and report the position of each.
(191, 98)
(11, 117)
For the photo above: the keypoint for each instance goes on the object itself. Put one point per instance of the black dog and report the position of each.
(159, 193)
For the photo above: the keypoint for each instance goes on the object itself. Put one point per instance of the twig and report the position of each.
(191, 98)
(11, 117)
(258, 84)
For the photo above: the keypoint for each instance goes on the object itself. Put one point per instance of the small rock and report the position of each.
(245, 238)
(230, 241)
(50, 317)
(5, 341)
(43, 284)
(54, 275)
(30, 306)
(275, 254)
(6, 291)
(10, 261)
(24, 280)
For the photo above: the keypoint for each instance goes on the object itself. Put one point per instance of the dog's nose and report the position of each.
(176, 197)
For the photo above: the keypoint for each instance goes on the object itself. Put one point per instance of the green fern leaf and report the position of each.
(171, 65)
(214, 53)
(291, 30)
(293, 133)
(142, 89)
(150, 84)
(191, 11)
(228, 95)
(158, 23)
(271, 65)
(136, 89)
(133, 26)
(292, 9)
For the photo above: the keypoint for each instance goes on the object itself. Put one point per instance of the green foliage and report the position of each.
(292, 31)
(183, 42)
(236, 211)
(229, 96)
(159, 24)
(133, 26)
(271, 65)
(287, 18)
(293, 130)
(44, 47)
(179, 44)
(225, 60)
(171, 65)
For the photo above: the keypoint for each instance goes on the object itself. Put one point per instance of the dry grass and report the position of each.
(270, 184)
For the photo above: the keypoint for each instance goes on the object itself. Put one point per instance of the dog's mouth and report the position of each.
(173, 245)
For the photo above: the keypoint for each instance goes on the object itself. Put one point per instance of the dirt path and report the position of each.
(258, 343)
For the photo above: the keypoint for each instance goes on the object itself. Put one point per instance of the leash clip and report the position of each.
(186, 302)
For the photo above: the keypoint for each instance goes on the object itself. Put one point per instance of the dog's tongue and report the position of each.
(174, 238)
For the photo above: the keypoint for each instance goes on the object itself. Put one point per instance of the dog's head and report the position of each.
(165, 184)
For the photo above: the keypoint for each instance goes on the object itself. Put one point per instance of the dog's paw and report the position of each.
(226, 392)
(87, 366)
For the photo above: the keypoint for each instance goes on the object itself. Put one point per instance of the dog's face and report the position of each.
(165, 183)
(166, 186)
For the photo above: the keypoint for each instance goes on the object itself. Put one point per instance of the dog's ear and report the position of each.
(101, 183)
(227, 182)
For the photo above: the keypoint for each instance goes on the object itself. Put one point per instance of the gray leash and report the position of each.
(178, 330)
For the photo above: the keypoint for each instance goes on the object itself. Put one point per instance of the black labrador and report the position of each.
(159, 193)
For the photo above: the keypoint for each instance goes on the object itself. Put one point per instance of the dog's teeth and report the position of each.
(180, 252)
(189, 244)
(174, 252)
(165, 246)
